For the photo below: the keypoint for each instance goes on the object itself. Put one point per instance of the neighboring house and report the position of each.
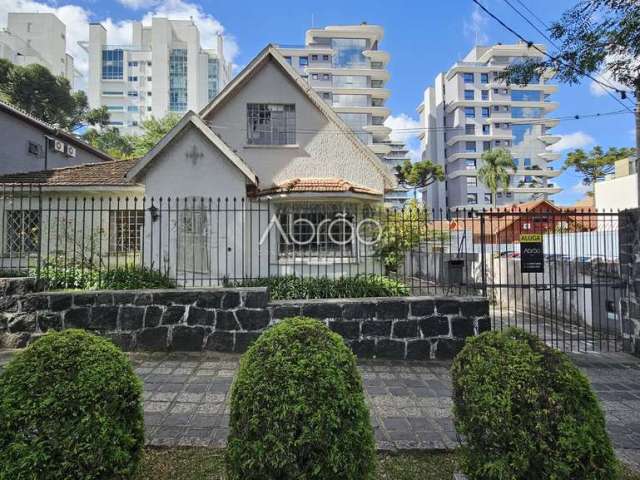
(267, 156)
(505, 225)
(619, 190)
(28, 144)
(37, 38)
(162, 69)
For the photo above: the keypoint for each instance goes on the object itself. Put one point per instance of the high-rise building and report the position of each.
(469, 111)
(345, 65)
(39, 38)
(164, 69)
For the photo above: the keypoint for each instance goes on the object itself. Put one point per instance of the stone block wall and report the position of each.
(229, 320)
(629, 244)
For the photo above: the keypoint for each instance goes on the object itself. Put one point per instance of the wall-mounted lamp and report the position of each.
(154, 212)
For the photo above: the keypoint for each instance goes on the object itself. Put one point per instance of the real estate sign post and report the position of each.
(531, 254)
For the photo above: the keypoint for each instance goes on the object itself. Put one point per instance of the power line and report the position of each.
(532, 121)
(530, 44)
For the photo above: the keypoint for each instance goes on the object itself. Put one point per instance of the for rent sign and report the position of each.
(531, 254)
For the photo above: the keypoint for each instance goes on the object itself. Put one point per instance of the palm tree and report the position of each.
(496, 170)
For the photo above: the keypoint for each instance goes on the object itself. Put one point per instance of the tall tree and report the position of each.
(594, 36)
(38, 92)
(152, 132)
(419, 175)
(495, 172)
(597, 164)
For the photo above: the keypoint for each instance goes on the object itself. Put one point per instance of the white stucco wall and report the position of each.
(323, 152)
(617, 193)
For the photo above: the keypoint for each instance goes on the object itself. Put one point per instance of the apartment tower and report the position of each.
(164, 69)
(469, 111)
(37, 38)
(345, 65)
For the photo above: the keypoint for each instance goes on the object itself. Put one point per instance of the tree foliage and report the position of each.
(495, 172)
(593, 35)
(153, 130)
(35, 90)
(110, 139)
(596, 164)
(419, 175)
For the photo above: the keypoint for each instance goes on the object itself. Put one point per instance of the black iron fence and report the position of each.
(554, 272)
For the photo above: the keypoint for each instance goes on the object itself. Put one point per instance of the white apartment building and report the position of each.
(39, 38)
(469, 111)
(345, 65)
(164, 69)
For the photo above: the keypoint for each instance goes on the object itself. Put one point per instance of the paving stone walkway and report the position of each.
(186, 400)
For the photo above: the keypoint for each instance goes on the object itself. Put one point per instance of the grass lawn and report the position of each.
(203, 463)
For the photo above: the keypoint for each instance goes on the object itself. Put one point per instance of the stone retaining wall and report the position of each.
(228, 320)
(629, 244)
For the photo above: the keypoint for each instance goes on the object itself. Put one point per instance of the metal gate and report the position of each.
(554, 274)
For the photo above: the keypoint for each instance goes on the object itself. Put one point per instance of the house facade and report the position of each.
(28, 144)
(265, 180)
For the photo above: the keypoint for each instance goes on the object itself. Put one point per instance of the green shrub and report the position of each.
(58, 275)
(298, 409)
(129, 278)
(359, 286)
(70, 408)
(526, 411)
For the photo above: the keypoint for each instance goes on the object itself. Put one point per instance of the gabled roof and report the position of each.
(53, 131)
(91, 174)
(271, 52)
(192, 119)
(318, 185)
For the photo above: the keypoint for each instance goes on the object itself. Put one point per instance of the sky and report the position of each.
(423, 38)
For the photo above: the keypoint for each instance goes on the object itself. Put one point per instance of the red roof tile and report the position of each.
(92, 174)
(309, 185)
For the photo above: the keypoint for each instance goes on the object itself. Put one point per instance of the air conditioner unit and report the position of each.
(58, 146)
(71, 151)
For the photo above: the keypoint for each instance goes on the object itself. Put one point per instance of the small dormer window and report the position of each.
(271, 124)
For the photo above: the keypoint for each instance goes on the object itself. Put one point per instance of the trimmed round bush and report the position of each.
(70, 408)
(525, 411)
(298, 409)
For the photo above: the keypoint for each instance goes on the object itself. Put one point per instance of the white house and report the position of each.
(266, 179)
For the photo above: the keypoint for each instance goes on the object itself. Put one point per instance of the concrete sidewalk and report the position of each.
(186, 400)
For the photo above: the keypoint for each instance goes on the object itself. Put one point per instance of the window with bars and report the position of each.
(271, 124)
(316, 234)
(23, 231)
(125, 230)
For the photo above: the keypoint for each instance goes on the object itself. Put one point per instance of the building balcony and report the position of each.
(550, 156)
(371, 32)
(529, 172)
(547, 106)
(383, 93)
(377, 130)
(463, 137)
(453, 157)
(380, 148)
(376, 111)
(549, 139)
(374, 73)
(303, 50)
(546, 121)
(549, 190)
(377, 56)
